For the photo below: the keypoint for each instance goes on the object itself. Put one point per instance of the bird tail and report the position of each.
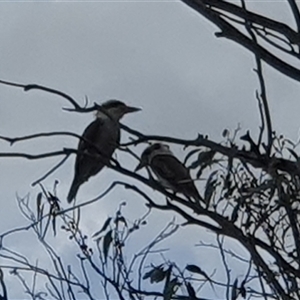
(73, 190)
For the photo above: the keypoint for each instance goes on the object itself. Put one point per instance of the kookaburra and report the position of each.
(170, 172)
(99, 141)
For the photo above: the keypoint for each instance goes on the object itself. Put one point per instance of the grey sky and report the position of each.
(159, 55)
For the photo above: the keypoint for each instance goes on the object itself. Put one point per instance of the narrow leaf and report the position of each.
(104, 227)
(225, 133)
(234, 293)
(234, 214)
(106, 244)
(209, 190)
(190, 154)
(293, 153)
(191, 291)
(54, 224)
(41, 217)
(168, 277)
(77, 219)
(38, 205)
(199, 173)
(170, 289)
(243, 289)
(210, 186)
(196, 269)
(243, 292)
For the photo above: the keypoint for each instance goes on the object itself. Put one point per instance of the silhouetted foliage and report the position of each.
(251, 187)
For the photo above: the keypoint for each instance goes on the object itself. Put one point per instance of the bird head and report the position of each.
(115, 109)
(150, 152)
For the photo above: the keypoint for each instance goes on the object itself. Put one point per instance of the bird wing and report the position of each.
(97, 139)
(102, 136)
(85, 162)
(90, 134)
(170, 169)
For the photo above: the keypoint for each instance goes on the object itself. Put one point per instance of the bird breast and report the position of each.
(109, 137)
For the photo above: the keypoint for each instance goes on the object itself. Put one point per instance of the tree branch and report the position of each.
(230, 32)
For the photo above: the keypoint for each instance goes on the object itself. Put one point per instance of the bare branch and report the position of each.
(230, 32)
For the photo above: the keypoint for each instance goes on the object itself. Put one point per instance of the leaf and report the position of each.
(149, 273)
(195, 164)
(234, 214)
(227, 182)
(41, 216)
(209, 190)
(191, 291)
(170, 289)
(235, 291)
(167, 282)
(243, 289)
(199, 173)
(293, 153)
(42, 210)
(248, 222)
(193, 269)
(212, 175)
(196, 269)
(290, 142)
(210, 187)
(204, 158)
(38, 204)
(207, 162)
(253, 147)
(190, 154)
(53, 199)
(225, 133)
(104, 227)
(54, 224)
(77, 219)
(106, 244)
(157, 274)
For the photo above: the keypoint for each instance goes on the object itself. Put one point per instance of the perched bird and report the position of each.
(171, 173)
(99, 141)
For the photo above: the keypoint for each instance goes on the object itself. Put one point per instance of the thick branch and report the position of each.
(230, 32)
(262, 161)
(38, 135)
(28, 87)
(65, 151)
(262, 87)
(292, 35)
(295, 11)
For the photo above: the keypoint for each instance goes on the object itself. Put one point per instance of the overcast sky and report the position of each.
(158, 55)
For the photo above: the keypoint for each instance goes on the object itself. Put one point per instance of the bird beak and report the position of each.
(140, 166)
(130, 109)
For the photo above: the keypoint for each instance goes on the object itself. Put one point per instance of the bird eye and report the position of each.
(113, 104)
